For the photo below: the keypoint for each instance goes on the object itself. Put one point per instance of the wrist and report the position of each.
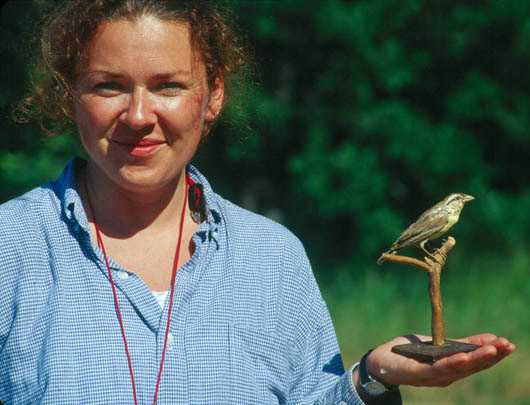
(357, 384)
(372, 372)
(373, 390)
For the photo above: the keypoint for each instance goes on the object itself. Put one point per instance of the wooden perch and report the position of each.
(433, 267)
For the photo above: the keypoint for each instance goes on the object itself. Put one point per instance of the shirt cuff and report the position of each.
(351, 396)
(391, 398)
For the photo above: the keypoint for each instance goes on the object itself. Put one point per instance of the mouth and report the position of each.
(468, 198)
(139, 148)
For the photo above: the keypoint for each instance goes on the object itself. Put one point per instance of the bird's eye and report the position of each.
(454, 199)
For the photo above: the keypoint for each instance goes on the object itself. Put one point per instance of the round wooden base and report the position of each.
(427, 353)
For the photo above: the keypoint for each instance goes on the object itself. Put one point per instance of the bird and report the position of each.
(432, 224)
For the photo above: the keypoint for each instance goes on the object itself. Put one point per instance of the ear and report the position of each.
(71, 97)
(216, 100)
(69, 110)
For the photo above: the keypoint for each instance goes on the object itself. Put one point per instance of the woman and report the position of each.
(128, 280)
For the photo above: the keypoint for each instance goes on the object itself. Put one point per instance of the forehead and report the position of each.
(144, 43)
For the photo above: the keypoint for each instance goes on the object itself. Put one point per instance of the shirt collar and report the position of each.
(66, 189)
(212, 209)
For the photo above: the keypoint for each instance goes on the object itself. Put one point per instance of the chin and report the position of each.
(145, 181)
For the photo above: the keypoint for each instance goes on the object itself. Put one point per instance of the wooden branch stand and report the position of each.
(429, 352)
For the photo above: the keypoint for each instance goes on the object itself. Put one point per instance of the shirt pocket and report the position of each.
(234, 364)
(259, 356)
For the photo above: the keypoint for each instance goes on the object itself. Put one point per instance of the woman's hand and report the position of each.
(394, 369)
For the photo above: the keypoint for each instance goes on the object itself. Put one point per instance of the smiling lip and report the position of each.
(142, 148)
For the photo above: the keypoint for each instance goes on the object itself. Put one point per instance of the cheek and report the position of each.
(186, 114)
(94, 118)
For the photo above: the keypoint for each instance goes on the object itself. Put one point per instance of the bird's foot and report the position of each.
(431, 255)
(438, 256)
(381, 260)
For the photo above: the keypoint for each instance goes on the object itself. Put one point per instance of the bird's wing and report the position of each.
(430, 223)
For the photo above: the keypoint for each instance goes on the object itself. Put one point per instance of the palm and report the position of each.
(403, 370)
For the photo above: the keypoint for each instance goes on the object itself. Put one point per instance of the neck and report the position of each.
(121, 213)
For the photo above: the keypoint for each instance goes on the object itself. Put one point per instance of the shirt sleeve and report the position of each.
(318, 375)
(343, 393)
(332, 384)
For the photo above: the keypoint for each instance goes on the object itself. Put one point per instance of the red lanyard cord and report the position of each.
(100, 244)
(175, 267)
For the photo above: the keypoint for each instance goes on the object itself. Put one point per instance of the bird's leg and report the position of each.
(422, 247)
(440, 252)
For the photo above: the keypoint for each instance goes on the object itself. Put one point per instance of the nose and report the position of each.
(139, 112)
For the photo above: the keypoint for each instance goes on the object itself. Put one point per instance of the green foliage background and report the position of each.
(366, 114)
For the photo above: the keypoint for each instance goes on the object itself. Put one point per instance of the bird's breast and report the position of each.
(451, 220)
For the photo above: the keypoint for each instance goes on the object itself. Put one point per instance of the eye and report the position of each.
(169, 87)
(108, 86)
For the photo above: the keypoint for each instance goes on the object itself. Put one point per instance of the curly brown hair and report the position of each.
(69, 27)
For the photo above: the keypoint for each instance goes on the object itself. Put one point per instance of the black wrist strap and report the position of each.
(391, 397)
(364, 375)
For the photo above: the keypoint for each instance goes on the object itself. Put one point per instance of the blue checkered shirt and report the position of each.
(249, 325)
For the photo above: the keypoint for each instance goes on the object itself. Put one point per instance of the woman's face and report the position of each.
(141, 103)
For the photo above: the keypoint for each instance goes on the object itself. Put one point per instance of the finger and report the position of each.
(461, 365)
(480, 339)
(501, 346)
(492, 353)
(486, 339)
(457, 366)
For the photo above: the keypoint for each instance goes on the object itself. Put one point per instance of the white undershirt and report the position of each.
(161, 297)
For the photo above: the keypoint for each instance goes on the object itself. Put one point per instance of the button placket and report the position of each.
(170, 340)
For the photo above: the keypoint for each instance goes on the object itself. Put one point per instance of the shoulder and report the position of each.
(41, 208)
(23, 221)
(240, 223)
(256, 247)
(257, 230)
(22, 212)
(267, 255)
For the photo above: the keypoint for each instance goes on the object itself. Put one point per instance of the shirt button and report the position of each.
(170, 340)
(123, 275)
(342, 403)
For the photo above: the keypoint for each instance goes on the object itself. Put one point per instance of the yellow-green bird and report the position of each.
(432, 224)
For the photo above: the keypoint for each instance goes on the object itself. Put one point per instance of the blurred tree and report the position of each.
(26, 158)
(383, 108)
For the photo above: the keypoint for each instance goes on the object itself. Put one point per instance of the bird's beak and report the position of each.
(468, 198)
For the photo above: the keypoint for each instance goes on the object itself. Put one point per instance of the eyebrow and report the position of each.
(158, 76)
(162, 76)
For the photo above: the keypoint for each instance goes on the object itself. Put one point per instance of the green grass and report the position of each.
(488, 295)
